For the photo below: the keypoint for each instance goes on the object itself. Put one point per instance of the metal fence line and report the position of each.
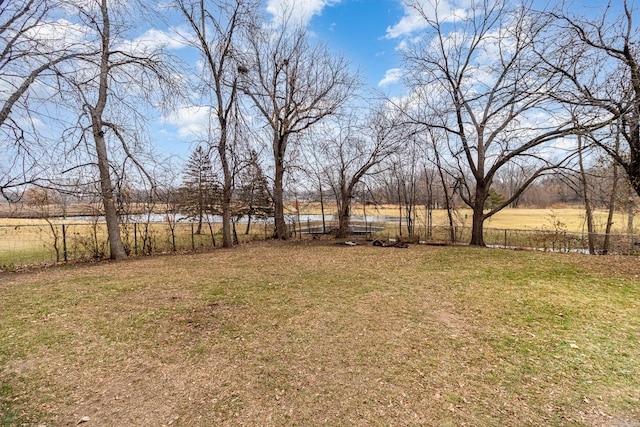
(50, 243)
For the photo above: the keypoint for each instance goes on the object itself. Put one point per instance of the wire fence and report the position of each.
(544, 240)
(50, 243)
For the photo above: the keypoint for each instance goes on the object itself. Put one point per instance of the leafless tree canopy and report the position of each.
(476, 77)
(350, 147)
(30, 52)
(498, 97)
(294, 85)
(598, 58)
(220, 29)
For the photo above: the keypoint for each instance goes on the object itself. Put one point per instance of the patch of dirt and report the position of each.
(456, 326)
(449, 319)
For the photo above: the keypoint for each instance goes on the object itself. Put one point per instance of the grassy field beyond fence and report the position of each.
(316, 333)
(26, 242)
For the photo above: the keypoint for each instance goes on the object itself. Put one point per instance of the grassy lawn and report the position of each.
(274, 334)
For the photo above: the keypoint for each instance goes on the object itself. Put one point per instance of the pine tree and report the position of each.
(255, 196)
(200, 186)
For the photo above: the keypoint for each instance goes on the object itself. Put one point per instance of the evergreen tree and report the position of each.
(255, 197)
(200, 186)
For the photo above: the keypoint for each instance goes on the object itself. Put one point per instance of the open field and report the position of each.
(31, 242)
(569, 218)
(27, 241)
(274, 334)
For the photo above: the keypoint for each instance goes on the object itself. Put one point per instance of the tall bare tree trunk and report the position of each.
(227, 188)
(281, 231)
(324, 226)
(227, 241)
(477, 225)
(116, 248)
(587, 200)
(344, 214)
(199, 229)
(612, 200)
(249, 218)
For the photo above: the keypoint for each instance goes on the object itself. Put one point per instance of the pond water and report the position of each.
(158, 218)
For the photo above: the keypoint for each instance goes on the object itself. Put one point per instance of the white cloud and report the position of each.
(393, 75)
(403, 46)
(410, 22)
(57, 35)
(154, 39)
(170, 40)
(192, 121)
(297, 11)
(414, 16)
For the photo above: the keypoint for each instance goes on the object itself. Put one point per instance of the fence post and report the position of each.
(64, 243)
(505, 238)
(564, 243)
(135, 238)
(193, 239)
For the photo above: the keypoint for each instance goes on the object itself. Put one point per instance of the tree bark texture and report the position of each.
(116, 248)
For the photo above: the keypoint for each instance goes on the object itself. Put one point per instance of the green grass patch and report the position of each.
(320, 334)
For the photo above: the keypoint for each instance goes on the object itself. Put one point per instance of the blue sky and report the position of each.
(367, 32)
(358, 29)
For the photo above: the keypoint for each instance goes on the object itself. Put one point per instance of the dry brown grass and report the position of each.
(275, 334)
(571, 218)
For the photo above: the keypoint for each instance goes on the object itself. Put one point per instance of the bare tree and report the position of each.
(218, 27)
(586, 194)
(609, 186)
(404, 168)
(511, 177)
(111, 88)
(434, 138)
(601, 65)
(30, 51)
(475, 75)
(353, 149)
(613, 195)
(293, 84)
(316, 170)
